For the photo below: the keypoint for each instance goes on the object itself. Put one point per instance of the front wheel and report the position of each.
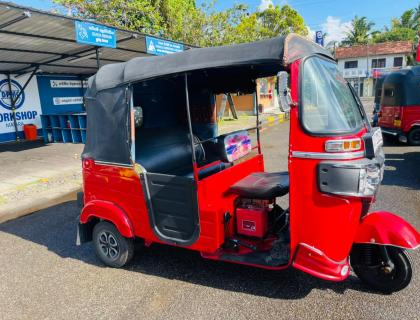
(414, 137)
(110, 246)
(383, 268)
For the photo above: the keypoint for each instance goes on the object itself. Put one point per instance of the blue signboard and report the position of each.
(319, 38)
(161, 47)
(95, 34)
(61, 94)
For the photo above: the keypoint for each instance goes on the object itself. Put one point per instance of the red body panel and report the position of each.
(386, 228)
(408, 115)
(120, 188)
(316, 263)
(326, 223)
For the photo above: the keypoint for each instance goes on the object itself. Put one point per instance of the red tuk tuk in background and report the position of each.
(399, 115)
(156, 171)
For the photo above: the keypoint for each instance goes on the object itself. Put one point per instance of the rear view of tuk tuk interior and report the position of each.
(156, 170)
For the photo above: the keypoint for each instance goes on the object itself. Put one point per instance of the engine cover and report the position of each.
(252, 221)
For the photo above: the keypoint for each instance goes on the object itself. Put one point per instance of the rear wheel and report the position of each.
(414, 137)
(110, 246)
(383, 268)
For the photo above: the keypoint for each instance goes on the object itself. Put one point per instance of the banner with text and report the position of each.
(162, 47)
(61, 94)
(27, 106)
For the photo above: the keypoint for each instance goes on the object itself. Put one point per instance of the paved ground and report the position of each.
(44, 275)
(35, 175)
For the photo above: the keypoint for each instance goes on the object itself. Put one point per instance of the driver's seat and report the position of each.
(262, 185)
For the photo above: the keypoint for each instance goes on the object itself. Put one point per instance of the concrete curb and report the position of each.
(28, 206)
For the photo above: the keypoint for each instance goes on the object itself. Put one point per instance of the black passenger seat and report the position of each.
(262, 185)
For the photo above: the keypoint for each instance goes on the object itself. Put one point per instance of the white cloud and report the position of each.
(335, 29)
(265, 4)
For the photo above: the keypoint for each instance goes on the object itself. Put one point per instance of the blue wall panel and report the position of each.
(60, 94)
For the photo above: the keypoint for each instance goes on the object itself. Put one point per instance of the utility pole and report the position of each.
(367, 66)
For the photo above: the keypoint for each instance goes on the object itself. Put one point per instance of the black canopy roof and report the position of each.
(281, 51)
(402, 88)
(218, 69)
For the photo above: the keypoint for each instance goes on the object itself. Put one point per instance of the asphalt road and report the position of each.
(44, 275)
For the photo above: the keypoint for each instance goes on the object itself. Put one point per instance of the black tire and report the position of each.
(374, 274)
(111, 247)
(414, 137)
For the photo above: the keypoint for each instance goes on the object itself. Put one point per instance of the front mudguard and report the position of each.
(385, 228)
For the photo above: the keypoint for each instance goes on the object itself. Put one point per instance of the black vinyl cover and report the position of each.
(108, 127)
(281, 51)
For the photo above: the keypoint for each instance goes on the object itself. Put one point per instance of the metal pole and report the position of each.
(189, 119)
(98, 63)
(258, 119)
(367, 66)
(25, 85)
(12, 105)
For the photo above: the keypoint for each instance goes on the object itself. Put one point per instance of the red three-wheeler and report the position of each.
(155, 169)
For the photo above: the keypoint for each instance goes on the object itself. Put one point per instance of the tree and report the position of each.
(133, 15)
(182, 20)
(403, 28)
(276, 20)
(360, 32)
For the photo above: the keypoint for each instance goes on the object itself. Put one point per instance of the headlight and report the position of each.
(359, 178)
(369, 179)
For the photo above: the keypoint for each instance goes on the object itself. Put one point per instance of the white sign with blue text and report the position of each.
(27, 106)
(160, 47)
(95, 34)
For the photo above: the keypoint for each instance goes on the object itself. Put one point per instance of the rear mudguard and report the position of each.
(385, 228)
(106, 210)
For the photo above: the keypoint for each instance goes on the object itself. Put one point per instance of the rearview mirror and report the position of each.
(138, 117)
(283, 91)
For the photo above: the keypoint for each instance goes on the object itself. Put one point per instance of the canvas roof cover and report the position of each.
(231, 68)
(279, 51)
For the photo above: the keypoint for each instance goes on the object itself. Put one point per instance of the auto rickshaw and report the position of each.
(399, 116)
(156, 171)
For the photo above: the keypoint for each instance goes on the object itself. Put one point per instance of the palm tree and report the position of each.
(360, 32)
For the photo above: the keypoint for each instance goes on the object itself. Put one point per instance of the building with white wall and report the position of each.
(361, 65)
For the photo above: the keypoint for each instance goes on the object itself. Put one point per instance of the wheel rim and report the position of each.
(108, 245)
(416, 136)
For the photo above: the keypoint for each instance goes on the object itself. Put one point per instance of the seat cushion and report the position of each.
(262, 185)
(166, 150)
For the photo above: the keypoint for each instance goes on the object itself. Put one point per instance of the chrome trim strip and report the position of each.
(393, 133)
(104, 163)
(328, 156)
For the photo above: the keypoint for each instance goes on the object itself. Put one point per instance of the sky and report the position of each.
(330, 16)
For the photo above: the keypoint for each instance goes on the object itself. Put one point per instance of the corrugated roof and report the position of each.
(48, 40)
(377, 49)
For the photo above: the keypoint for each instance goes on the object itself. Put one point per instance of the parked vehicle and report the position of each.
(377, 101)
(155, 170)
(400, 105)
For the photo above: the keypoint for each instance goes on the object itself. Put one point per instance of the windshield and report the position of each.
(328, 105)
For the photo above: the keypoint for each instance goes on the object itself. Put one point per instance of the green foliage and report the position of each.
(182, 20)
(360, 32)
(395, 34)
(132, 15)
